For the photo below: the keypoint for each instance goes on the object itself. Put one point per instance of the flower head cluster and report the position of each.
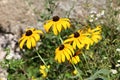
(57, 24)
(77, 40)
(69, 48)
(44, 70)
(30, 37)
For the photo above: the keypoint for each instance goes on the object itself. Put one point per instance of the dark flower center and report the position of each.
(28, 33)
(76, 34)
(61, 47)
(56, 18)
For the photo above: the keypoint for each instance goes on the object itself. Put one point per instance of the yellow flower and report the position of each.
(30, 37)
(75, 72)
(77, 39)
(94, 36)
(75, 58)
(57, 24)
(63, 51)
(44, 70)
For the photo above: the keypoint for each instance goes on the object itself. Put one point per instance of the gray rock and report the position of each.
(16, 15)
(78, 8)
(3, 74)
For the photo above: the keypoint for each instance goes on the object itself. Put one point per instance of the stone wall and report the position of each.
(15, 15)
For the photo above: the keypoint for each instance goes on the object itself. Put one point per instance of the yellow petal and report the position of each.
(33, 42)
(75, 72)
(63, 57)
(68, 51)
(68, 24)
(72, 35)
(59, 27)
(77, 58)
(44, 75)
(88, 41)
(42, 67)
(28, 43)
(74, 44)
(57, 50)
(66, 54)
(22, 42)
(87, 47)
(55, 29)
(96, 38)
(75, 61)
(68, 40)
(41, 71)
(58, 57)
(36, 36)
(38, 31)
(78, 44)
(48, 25)
(64, 25)
(71, 49)
(23, 36)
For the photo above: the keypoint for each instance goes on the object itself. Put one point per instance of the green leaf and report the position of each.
(103, 73)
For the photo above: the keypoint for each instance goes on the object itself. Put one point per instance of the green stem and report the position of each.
(78, 73)
(60, 38)
(41, 58)
(86, 61)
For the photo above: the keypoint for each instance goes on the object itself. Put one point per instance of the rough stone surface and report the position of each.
(3, 74)
(15, 15)
(79, 9)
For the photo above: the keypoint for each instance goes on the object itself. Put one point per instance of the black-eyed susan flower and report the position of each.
(64, 51)
(77, 39)
(75, 58)
(95, 34)
(57, 24)
(30, 37)
(44, 70)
